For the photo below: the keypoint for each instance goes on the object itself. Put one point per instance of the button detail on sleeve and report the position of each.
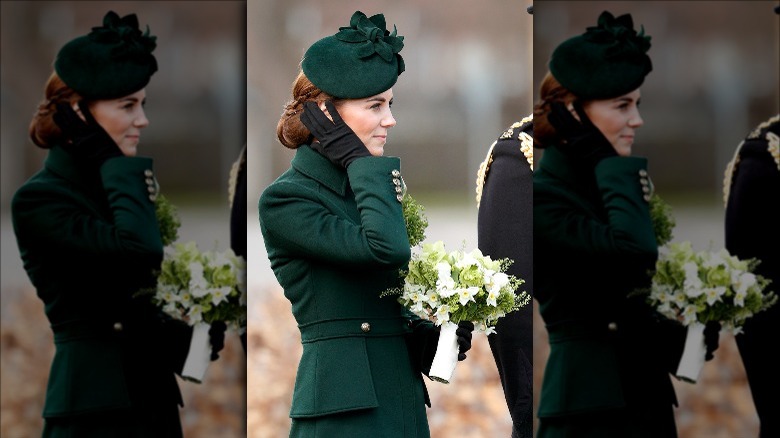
(118, 327)
(366, 327)
(612, 326)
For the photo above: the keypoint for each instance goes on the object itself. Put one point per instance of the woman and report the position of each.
(88, 235)
(336, 238)
(607, 374)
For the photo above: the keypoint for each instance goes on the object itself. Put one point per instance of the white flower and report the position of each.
(692, 284)
(442, 314)
(195, 314)
(466, 261)
(743, 281)
(714, 293)
(498, 281)
(467, 294)
(739, 298)
(219, 294)
(490, 330)
(689, 314)
(492, 297)
(432, 298)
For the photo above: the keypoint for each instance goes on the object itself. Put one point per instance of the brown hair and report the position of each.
(549, 91)
(290, 130)
(43, 131)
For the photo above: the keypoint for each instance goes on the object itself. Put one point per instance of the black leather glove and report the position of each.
(583, 140)
(711, 338)
(464, 338)
(337, 141)
(217, 338)
(89, 141)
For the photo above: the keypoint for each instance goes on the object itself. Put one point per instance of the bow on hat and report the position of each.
(125, 34)
(373, 37)
(620, 34)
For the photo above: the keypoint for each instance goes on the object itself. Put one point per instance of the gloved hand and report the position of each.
(583, 140)
(337, 141)
(464, 338)
(217, 338)
(711, 338)
(89, 141)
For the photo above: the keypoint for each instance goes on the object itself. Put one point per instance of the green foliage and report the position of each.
(663, 221)
(167, 219)
(416, 222)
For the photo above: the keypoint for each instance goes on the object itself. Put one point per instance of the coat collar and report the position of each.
(572, 173)
(63, 164)
(310, 163)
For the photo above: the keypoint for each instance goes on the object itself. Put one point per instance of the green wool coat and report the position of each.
(335, 240)
(610, 353)
(89, 241)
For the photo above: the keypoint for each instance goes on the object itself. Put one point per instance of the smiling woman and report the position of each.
(335, 235)
(89, 238)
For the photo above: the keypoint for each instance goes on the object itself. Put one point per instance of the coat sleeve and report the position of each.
(627, 231)
(752, 229)
(306, 223)
(52, 215)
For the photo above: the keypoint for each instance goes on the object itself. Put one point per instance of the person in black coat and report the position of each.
(505, 230)
(752, 228)
(237, 199)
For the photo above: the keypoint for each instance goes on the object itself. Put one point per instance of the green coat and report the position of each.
(336, 240)
(593, 245)
(89, 240)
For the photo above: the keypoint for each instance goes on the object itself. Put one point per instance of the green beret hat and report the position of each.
(112, 61)
(607, 61)
(359, 61)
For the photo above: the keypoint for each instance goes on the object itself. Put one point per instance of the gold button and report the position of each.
(149, 182)
(612, 326)
(642, 172)
(400, 197)
(152, 198)
(646, 189)
(396, 181)
(395, 173)
(366, 327)
(148, 172)
(644, 181)
(118, 327)
(398, 189)
(646, 197)
(151, 189)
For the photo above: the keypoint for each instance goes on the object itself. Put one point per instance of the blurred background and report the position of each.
(468, 77)
(196, 104)
(715, 77)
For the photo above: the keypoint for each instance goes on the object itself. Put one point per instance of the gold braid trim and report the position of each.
(773, 147)
(483, 170)
(526, 147)
(233, 177)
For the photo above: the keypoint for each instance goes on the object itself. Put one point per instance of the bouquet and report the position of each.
(699, 287)
(200, 288)
(450, 287)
